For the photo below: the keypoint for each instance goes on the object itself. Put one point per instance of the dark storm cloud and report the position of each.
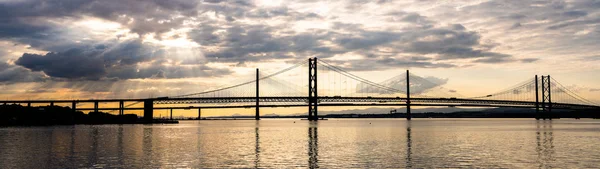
(12, 27)
(106, 61)
(367, 39)
(12, 74)
(130, 53)
(451, 42)
(107, 9)
(242, 43)
(554, 14)
(71, 64)
(228, 40)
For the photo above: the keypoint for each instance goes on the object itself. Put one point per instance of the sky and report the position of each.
(82, 49)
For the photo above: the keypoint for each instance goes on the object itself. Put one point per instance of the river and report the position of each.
(285, 143)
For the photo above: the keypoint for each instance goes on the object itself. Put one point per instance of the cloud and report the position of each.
(241, 43)
(529, 60)
(418, 84)
(238, 42)
(590, 58)
(70, 64)
(140, 16)
(240, 31)
(383, 63)
(575, 13)
(127, 60)
(410, 17)
(222, 38)
(13, 74)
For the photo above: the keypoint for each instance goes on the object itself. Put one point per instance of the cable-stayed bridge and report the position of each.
(329, 85)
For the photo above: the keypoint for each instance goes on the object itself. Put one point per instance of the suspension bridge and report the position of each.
(328, 85)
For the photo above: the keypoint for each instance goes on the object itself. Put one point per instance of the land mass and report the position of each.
(17, 115)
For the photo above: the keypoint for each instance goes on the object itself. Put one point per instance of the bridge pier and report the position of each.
(51, 104)
(121, 108)
(28, 104)
(74, 106)
(408, 115)
(199, 113)
(96, 106)
(148, 109)
(171, 117)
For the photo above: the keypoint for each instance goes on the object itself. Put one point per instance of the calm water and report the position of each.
(362, 143)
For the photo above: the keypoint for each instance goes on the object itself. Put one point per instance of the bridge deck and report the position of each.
(303, 101)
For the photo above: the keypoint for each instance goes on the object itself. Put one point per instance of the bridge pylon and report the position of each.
(546, 98)
(546, 104)
(537, 99)
(257, 108)
(312, 89)
(408, 114)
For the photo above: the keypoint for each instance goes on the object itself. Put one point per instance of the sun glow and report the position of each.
(94, 24)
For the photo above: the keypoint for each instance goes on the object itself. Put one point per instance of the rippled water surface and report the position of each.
(352, 143)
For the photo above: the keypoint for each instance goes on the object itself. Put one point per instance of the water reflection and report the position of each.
(147, 145)
(93, 157)
(408, 145)
(120, 145)
(545, 143)
(313, 145)
(257, 146)
(283, 144)
(72, 144)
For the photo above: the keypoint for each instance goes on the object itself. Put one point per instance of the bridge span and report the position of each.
(536, 93)
(271, 102)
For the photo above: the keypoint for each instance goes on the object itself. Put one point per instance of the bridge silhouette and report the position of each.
(328, 85)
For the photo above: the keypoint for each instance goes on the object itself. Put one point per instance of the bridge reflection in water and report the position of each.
(280, 143)
(545, 144)
(313, 145)
(408, 145)
(257, 146)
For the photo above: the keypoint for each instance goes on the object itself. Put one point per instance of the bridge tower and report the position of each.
(546, 97)
(537, 99)
(257, 116)
(408, 114)
(121, 107)
(312, 89)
